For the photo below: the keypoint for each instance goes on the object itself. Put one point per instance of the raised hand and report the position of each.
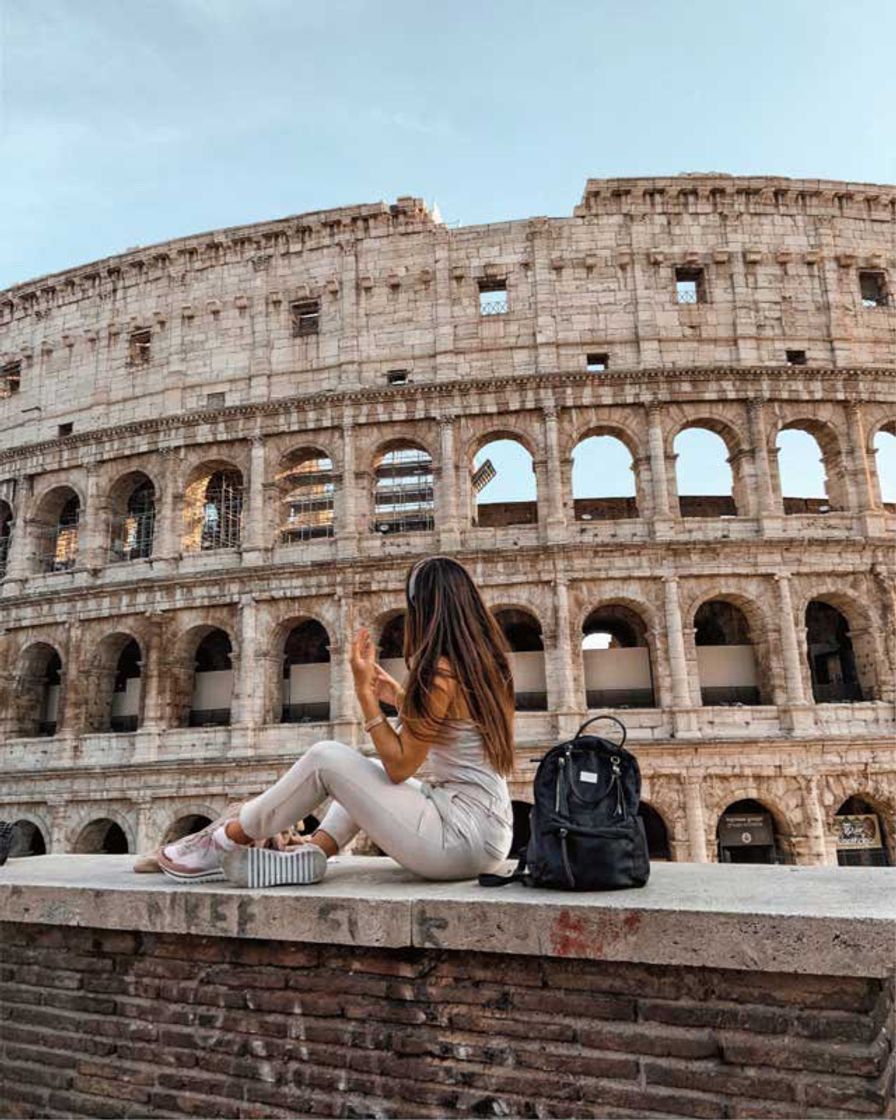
(363, 663)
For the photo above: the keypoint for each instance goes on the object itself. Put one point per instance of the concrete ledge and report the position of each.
(817, 920)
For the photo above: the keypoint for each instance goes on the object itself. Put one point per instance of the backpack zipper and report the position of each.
(617, 779)
(565, 854)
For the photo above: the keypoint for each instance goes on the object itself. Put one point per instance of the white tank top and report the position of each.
(460, 765)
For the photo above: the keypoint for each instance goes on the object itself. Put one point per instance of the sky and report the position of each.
(126, 122)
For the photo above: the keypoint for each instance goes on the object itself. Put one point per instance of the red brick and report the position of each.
(805, 1054)
(715, 1077)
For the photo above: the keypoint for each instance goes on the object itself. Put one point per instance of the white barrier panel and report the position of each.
(727, 667)
(620, 669)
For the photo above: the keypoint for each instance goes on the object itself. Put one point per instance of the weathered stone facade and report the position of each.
(214, 370)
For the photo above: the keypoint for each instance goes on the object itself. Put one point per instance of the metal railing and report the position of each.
(620, 698)
(728, 695)
(306, 713)
(497, 305)
(210, 717)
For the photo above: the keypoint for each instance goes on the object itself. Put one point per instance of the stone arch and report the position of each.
(37, 691)
(189, 819)
(6, 525)
(303, 645)
(836, 791)
(112, 684)
(523, 632)
(845, 660)
(829, 443)
(739, 500)
(882, 453)
(785, 812)
(732, 651)
(306, 488)
(32, 836)
(55, 528)
(618, 668)
(212, 507)
(107, 834)
(604, 506)
(403, 487)
(657, 831)
(184, 692)
(132, 507)
(487, 508)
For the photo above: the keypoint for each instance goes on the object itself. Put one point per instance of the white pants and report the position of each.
(437, 832)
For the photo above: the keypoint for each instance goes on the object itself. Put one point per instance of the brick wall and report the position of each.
(98, 1023)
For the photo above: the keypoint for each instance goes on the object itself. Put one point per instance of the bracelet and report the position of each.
(375, 722)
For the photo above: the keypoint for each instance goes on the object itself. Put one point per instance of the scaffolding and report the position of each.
(307, 491)
(222, 511)
(133, 531)
(404, 491)
(58, 544)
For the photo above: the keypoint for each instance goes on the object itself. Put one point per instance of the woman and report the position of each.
(456, 716)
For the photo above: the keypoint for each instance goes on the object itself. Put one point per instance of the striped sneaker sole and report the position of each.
(213, 874)
(261, 867)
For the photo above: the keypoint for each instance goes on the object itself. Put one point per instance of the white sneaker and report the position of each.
(262, 867)
(196, 858)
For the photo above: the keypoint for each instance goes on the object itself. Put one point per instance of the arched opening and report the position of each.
(703, 474)
(6, 522)
(212, 681)
(213, 509)
(603, 480)
(306, 491)
(747, 833)
(102, 837)
(726, 659)
(37, 691)
(56, 529)
(862, 836)
(616, 659)
(28, 840)
(306, 674)
(885, 462)
(185, 826)
(133, 518)
(523, 633)
(503, 484)
(807, 461)
(125, 714)
(403, 490)
(657, 834)
(832, 658)
(391, 651)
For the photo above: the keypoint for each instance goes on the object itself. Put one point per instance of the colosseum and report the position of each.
(220, 454)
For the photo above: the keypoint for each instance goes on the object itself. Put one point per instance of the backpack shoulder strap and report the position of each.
(518, 875)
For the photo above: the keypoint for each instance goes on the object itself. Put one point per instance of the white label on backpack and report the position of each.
(587, 776)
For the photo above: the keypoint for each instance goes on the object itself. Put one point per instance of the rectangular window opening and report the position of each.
(10, 378)
(139, 345)
(65, 429)
(690, 285)
(305, 315)
(873, 287)
(215, 400)
(796, 357)
(597, 363)
(493, 297)
(398, 376)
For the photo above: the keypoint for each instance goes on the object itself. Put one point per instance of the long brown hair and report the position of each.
(447, 618)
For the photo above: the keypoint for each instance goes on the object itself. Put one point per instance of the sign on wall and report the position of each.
(738, 830)
(859, 831)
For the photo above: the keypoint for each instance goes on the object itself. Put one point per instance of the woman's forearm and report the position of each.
(385, 738)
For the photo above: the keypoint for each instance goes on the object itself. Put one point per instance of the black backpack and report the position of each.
(585, 831)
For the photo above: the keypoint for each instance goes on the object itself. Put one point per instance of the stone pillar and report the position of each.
(766, 502)
(693, 792)
(60, 818)
(863, 487)
(70, 717)
(151, 676)
(347, 517)
(249, 690)
(796, 713)
(255, 535)
(343, 709)
(93, 532)
(563, 700)
(816, 832)
(446, 502)
(18, 566)
(683, 715)
(145, 838)
(659, 476)
(169, 514)
(556, 513)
